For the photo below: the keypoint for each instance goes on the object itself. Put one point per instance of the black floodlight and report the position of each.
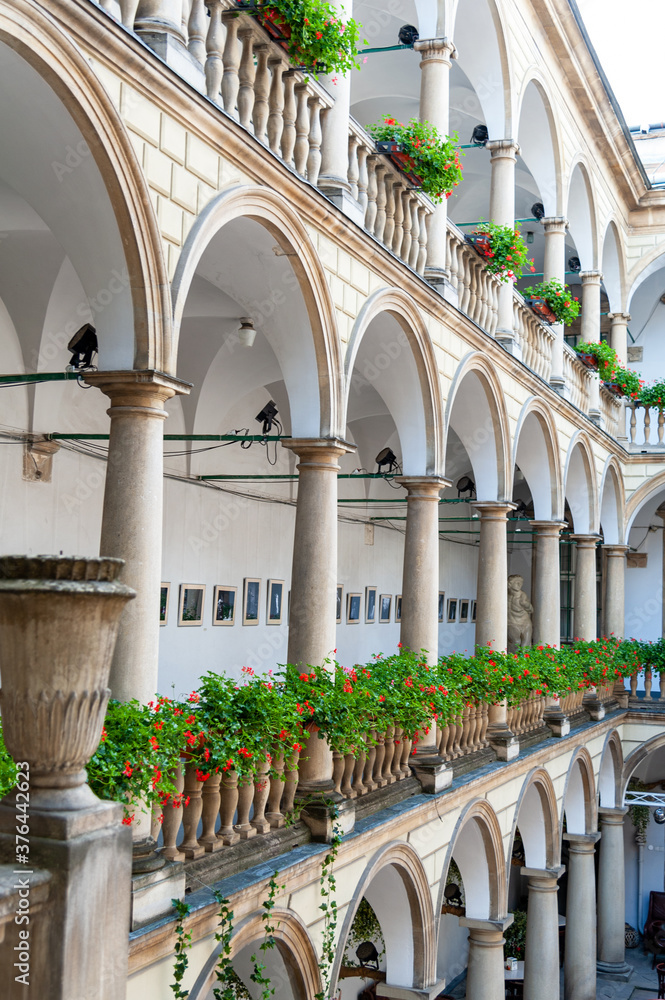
(480, 135)
(659, 816)
(408, 35)
(366, 953)
(386, 457)
(267, 416)
(574, 264)
(538, 210)
(465, 485)
(82, 346)
(453, 894)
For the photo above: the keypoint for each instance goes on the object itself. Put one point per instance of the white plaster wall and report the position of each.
(644, 588)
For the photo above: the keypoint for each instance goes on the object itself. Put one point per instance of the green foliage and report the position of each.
(224, 975)
(653, 395)
(628, 381)
(639, 815)
(314, 36)
(506, 254)
(454, 877)
(258, 975)
(558, 297)
(433, 158)
(605, 355)
(515, 936)
(7, 768)
(365, 927)
(328, 907)
(182, 945)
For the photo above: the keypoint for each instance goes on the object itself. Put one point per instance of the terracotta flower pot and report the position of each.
(402, 160)
(590, 360)
(541, 309)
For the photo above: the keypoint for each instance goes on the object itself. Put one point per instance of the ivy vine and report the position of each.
(258, 975)
(329, 907)
(182, 945)
(224, 973)
(365, 927)
(639, 815)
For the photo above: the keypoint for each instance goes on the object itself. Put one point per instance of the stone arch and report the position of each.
(488, 446)
(537, 452)
(643, 269)
(294, 947)
(38, 41)
(484, 54)
(579, 796)
(274, 213)
(613, 265)
(580, 484)
(394, 882)
(480, 858)
(537, 816)
(634, 759)
(540, 151)
(655, 484)
(610, 772)
(420, 439)
(612, 502)
(580, 210)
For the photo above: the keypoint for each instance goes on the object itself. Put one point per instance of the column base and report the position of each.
(557, 723)
(509, 342)
(145, 857)
(504, 743)
(327, 816)
(341, 196)
(596, 417)
(438, 278)
(410, 992)
(432, 772)
(595, 708)
(560, 386)
(176, 55)
(620, 972)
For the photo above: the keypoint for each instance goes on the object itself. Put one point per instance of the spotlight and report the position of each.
(267, 416)
(82, 346)
(529, 237)
(386, 457)
(520, 509)
(465, 485)
(246, 333)
(480, 135)
(453, 894)
(366, 953)
(659, 816)
(538, 210)
(574, 264)
(408, 35)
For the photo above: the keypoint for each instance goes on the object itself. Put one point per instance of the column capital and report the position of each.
(549, 528)
(147, 389)
(544, 879)
(555, 224)
(322, 452)
(619, 317)
(617, 550)
(591, 277)
(493, 510)
(612, 816)
(440, 49)
(423, 487)
(503, 148)
(582, 843)
(585, 541)
(499, 925)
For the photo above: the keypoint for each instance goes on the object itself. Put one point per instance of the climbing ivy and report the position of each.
(183, 944)
(224, 972)
(639, 815)
(258, 975)
(329, 908)
(365, 927)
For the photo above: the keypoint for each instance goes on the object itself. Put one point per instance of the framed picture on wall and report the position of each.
(353, 608)
(398, 608)
(224, 606)
(474, 605)
(452, 609)
(442, 606)
(275, 601)
(464, 610)
(190, 607)
(250, 601)
(164, 594)
(385, 607)
(338, 605)
(370, 605)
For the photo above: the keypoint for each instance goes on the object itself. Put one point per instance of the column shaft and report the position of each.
(591, 306)
(615, 590)
(580, 957)
(619, 335)
(541, 952)
(611, 895)
(555, 267)
(492, 593)
(585, 621)
(132, 517)
(546, 589)
(484, 978)
(334, 172)
(503, 157)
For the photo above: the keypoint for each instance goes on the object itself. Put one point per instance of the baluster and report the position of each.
(214, 46)
(184, 15)
(245, 800)
(290, 113)
(368, 780)
(423, 237)
(353, 171)
(127, 11)
(494, 305)
(228, 803)
(261, 792)
(346, 787)
(466, 281)
(190, 846)
(633, 684)
(389, 748)
(301, 149)
(173, 818)
(389, 228)
(633, 423)
(406, 753)
(246, 75)
(230, 81)
(484, 299)
(373, 163)
(273, 813)
(315, 136)
(415, 233)
(358, 770)
(276, 104)
(363, 178)
(398, 230)
(443, 742)
(337, 771)
(261, 92)
(661, 425)
(197, 29)
(405, 250)
(647, 683)
(397, 755)
(291, 783)
(381, 197)
(210, 808)
(377, 774)
(647, 424)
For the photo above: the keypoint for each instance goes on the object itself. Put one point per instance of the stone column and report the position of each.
(615, 589)
(591, 331)
(420, 594)
(585, 619)
(334, 173)
(611, 897)
(484, 978)
(492, 608)
(579, 970)
(159, 17)
(541, 952)
(132, 517)
(436, 55)
(545, 592)
(555, 267)
(619, 335)
(503, 157)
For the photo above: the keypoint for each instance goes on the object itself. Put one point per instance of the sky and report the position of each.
(629, 39)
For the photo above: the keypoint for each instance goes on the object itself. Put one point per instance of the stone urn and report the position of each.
(59, 620)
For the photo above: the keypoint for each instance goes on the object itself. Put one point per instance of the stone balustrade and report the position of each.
(577, 378)
(535, 338)
(477, 291)
(611, 408)
(645, 426)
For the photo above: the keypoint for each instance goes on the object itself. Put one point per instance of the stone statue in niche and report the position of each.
(520, 611)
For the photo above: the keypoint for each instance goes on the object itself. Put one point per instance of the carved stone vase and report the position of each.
(59, 621)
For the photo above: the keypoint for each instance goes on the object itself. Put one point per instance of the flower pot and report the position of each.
(542, 310)
(480, 242)
(403, 161)
(614, 387)
(590, 360)
(59, 621)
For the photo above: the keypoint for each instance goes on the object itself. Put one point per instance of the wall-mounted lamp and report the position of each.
(408, 35)
(82, 346)
(574, 264)
(480, 135)
(465, 485)
(388, 458)
(538, 210)
(246, 333)
(529, 237)
(267, 416)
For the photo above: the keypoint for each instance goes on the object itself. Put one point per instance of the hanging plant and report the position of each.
(558, 298)
(605, 357)
(639, 815)
(515, 936)
(430, 160)
(310, 31)
(653, 395)
(503, 249)
(629, 382)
